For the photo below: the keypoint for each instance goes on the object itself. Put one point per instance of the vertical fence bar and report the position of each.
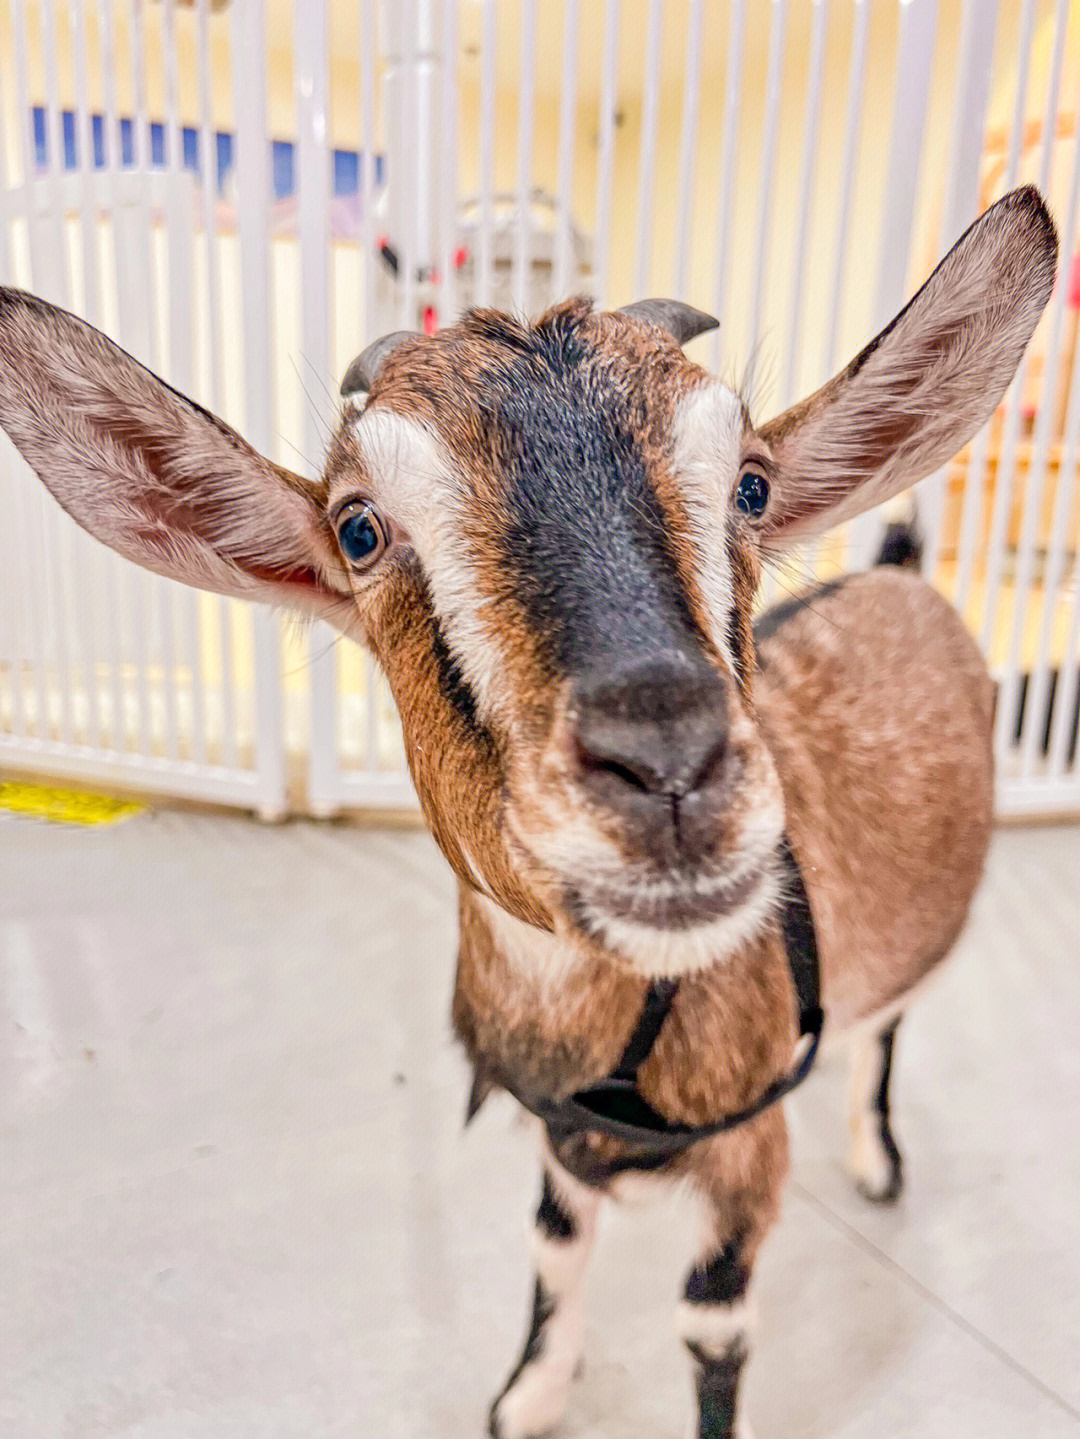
(367, 120)
(649, 120)
(1066, 514)
(488, 62)
(521, 288)
(102, 594)
(973, 506)
(84, 131)
(1036, 486)
(565, 185)
(852, 132)
(914, 67)
(253, 211)
(728, 159)
(966, 146)
(448, 170)
(1006, 472)
(132, 587)
(1068, 686)
(180, 240)
(140, 317)
(56, 538)
(688, 148)
(10, 479)
(313, 169)
(606, 158)
(806, 190)
(222, 607)
(773, 100)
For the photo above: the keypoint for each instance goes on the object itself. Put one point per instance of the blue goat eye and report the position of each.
(752, 494)
(362, 537)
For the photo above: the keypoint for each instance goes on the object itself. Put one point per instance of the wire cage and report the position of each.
(245, 192)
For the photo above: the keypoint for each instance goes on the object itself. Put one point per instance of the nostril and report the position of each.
(658, 728)
(631, 771)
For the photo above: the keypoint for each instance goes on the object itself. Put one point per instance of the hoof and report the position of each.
(529, 1407)
(879, 1177)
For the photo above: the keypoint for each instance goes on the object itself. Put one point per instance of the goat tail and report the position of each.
(902, 541)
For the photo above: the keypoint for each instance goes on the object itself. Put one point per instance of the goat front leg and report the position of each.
(875, 1158)
(740, 1179)
(535, 1396)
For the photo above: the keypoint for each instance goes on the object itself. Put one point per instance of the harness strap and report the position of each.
(616, 1107)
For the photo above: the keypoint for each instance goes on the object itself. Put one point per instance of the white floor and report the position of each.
(236, 1201)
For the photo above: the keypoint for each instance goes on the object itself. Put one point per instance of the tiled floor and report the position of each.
(236, 1201)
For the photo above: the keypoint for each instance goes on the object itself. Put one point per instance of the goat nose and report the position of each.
(660, 726)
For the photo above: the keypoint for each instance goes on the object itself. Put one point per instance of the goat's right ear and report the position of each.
(919, 391)
(153, 475)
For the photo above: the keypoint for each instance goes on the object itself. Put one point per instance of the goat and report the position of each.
(668, 824)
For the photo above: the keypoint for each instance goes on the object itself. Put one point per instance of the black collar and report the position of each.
(614, 1105)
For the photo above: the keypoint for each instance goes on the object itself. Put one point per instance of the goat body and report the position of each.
(550, 536)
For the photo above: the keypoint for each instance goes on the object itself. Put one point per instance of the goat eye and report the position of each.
(752, 494)
(362, 537)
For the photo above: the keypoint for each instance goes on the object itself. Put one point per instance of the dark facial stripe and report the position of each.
(585, 538)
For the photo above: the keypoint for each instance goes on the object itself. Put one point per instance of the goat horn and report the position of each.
(360, 376)
(682, 321)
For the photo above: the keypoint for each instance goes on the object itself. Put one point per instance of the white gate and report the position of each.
(245, 193)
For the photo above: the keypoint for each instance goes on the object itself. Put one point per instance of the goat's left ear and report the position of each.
(922, 388)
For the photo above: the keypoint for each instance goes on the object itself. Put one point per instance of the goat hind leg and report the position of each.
(535, 1395)
(875, 1158)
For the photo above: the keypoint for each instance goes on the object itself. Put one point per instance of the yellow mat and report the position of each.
(64, 806)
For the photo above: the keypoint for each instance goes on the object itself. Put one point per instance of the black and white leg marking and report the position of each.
(537, 1391)
(875, 1159)
(715, 1319)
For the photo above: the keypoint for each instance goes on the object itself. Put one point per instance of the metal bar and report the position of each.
(367, 118)
(852, 132)
(129, 585)
(565, 184)
(137, 278)
(966, 145)
(773, 96)
(1066, 513)
(688, 147)
(253, 210)
(448, 169)
(973, 505)
(811, 122)
(221, 608)
(179, 605)
(605, 163)
(1006, 474)
(57, 539)
(313, 165)
(914, 67)
(520, 288)
(729, 157)
(488, 59)
(649, 120)
(1036, 486)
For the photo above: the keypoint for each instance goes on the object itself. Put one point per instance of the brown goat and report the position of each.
(551, 536)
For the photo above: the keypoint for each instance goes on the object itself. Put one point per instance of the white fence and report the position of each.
(243, 194)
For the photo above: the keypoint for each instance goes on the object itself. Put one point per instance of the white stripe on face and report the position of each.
(707, 445)
(416, 478)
